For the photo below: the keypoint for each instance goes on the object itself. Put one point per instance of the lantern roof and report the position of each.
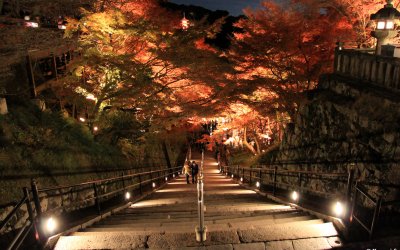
(387, 12)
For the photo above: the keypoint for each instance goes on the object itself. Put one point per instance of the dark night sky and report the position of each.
(233, 6)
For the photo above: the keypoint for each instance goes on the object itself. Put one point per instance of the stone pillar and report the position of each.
(3, 106)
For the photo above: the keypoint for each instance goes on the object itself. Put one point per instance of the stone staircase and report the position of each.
(236, 218)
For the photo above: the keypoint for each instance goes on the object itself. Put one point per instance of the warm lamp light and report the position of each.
(338, 209)
(50, 225)
(127, 196)
(295, 196)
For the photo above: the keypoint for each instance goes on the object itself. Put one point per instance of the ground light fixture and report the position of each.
(257, 184)
(232, 176)
(50, 225)
(154, 184)
(173, 175)
(295, 196)
(127, 196)
(166, 178)
(95, 128)
(241, 179)
(82, 119)
(338, 209)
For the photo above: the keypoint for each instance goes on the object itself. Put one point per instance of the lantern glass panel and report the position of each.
(389, 25)
(380, 25)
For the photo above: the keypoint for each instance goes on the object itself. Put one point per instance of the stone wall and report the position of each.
(346, 121)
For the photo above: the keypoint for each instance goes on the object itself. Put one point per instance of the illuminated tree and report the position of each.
(280, 54)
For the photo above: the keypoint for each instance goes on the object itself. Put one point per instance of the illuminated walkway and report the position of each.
(236, 218)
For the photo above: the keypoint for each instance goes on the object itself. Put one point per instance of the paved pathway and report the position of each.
(236, 218)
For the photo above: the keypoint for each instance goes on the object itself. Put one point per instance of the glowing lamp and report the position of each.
(50, 225)
(32, 24)
(154, 184)
(173, 176)
(257, 184)
(385, 24)
(127, 196)
(232, 176)
(95, 128)
(62, 27)
(166, 178)
(91, 97)
(82, 119)
(185, 23)
(295, 196)
(338, 209)
(241, 179)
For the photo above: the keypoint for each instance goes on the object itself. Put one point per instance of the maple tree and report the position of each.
(134, 62)
(356, 14)
(281, 52)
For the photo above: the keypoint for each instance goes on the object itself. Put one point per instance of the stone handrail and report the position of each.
(366, 66)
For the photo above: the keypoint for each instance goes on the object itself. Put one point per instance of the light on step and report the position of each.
(232, 176)
(241, 179)
(295, 196)
(127, 196)
(154, 184)
(257, 184)
(338, 209)
(173, 175)
(166, 178)
(50, 225)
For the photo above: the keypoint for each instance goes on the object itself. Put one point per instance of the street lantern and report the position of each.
(385, 25)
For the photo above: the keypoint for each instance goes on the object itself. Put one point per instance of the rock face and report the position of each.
(346, 123)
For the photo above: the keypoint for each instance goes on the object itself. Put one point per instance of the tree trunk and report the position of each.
(1, 6)
(15, 8)
(258, 145)
(251, 148)
(165, 151)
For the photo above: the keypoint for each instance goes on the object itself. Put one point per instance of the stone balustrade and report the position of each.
(366, 66)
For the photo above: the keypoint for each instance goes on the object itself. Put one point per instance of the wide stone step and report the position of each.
(131, 240)
(212, 225)
(193, 214)
(150, 229)
(226, 218)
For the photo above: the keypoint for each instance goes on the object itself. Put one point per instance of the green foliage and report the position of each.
(242, 158)
(116, 125)
(268, 157)
(46, 141)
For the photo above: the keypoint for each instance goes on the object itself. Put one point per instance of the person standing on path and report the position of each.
(195, 171)
(186, 171)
